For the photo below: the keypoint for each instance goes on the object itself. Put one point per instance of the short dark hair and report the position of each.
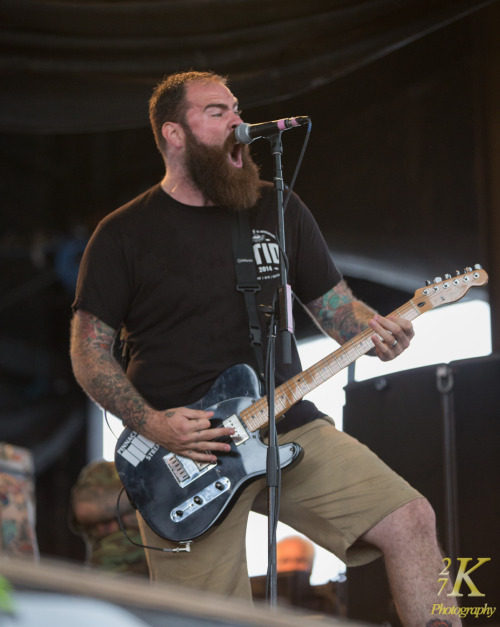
(167, 104)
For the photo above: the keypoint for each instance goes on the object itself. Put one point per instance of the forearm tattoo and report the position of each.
(99, 373)
(340, 314)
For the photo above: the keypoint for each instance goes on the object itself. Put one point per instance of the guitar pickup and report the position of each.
(204, 497)
(185, 470)
(240, 433)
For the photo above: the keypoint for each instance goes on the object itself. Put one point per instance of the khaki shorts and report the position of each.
(336, 493)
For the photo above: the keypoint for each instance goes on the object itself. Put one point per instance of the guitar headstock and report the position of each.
(449, 289)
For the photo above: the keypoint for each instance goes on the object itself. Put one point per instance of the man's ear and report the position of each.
(173, 133)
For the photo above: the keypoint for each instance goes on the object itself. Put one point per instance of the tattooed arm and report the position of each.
(342, 317)
(181, 430)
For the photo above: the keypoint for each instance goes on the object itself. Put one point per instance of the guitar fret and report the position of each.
(332, 368)
(356, 346)
(345, 353)
(302, 385)
(280, 403)
(255, 416)
(283, 399)
(289, 385)
(320, 371)
(408, 311)
(329, 366)
(334, 355)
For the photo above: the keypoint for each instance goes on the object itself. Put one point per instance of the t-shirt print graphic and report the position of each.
(266, 255)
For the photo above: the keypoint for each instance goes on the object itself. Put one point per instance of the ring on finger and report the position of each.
(395, 344)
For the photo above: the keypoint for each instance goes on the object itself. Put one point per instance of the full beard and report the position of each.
(220, 182)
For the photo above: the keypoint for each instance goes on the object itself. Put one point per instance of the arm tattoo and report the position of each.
(340, 314)
(100, 375)
(97, 334)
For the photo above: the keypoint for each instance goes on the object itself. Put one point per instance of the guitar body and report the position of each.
(181, 499)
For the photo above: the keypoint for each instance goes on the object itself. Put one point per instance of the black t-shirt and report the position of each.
(165, 271)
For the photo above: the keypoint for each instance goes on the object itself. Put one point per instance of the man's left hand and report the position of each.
(392, 336)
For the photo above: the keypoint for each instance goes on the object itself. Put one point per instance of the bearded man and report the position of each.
(161, 267)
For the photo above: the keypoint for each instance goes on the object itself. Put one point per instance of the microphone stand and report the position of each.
(284, 316)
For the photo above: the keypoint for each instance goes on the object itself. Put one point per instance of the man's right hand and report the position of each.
(188, 432)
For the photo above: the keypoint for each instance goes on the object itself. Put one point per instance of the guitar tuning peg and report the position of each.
(437, 279)
(457, 272)
(447, 276)
(478, 266)
(468, 269)
(427, 282)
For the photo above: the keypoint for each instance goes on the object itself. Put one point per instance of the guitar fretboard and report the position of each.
(287, 394)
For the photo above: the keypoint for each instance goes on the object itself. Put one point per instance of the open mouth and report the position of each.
(235, 156)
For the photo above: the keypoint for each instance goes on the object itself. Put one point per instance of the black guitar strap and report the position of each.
(246, 281)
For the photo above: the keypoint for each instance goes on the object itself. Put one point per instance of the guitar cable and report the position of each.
(186, 548)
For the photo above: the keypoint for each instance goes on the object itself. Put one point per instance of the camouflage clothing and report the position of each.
(107, 546)
(17, 502)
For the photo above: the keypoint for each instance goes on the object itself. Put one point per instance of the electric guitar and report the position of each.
(181, 499)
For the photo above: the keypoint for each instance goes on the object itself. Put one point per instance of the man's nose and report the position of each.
(236, 121)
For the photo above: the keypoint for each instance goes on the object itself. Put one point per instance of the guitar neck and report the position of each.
(286, 395)
(440, 293)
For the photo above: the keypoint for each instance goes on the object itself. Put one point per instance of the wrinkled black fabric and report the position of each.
(69, 67)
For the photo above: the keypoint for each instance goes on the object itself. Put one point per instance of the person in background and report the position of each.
(294, 553)
(94, 517)
(17, 503)
(295, 557)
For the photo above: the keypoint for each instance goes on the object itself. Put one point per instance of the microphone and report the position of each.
(246, 133)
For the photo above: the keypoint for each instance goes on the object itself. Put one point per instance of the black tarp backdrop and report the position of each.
(82, 67)
(390, 171)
